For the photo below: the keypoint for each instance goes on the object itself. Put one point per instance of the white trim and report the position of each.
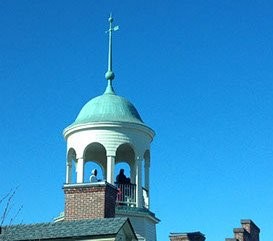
(101, 125)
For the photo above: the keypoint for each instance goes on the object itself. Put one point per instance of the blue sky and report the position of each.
(200, 74)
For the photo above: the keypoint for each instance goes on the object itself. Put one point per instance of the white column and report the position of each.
(147, 182)
(133, 174)
(139, 195)
(110, 169)
(147, 175)
(80, 170)
(68, 172)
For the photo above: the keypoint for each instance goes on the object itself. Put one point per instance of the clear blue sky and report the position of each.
(200, 74)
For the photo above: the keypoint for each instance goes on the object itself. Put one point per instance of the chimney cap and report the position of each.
(190, 235)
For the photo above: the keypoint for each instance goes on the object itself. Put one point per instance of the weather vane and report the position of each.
(109, 75)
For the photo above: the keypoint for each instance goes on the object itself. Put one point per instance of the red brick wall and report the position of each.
(110, 201)
(86, 201)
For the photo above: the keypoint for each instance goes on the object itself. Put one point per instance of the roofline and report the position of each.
(105, 235)
(98, 125)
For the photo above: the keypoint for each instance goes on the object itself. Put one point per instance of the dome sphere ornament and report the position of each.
(110, 19)
(109, 75)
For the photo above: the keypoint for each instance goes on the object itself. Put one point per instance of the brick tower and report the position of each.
(107, 131)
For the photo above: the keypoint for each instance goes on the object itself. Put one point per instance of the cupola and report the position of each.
(107, 131)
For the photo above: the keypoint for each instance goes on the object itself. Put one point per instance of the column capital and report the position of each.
(139, 159)
(111, 156)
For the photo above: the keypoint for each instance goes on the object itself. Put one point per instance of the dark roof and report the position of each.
(63, 229)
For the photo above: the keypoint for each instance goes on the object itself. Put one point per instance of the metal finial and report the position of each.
(109, 75)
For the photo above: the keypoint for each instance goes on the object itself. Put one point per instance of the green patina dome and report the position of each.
(108, 107)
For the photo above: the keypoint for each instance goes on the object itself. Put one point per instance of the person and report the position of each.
(93, 177)
(121, 178)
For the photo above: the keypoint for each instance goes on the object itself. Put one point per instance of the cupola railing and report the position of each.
(127, 195)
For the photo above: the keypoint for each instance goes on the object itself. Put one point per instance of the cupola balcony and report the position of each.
(127, 195)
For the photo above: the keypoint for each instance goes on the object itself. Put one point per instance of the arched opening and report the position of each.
(95, 158)
(71, 164)
(125, 175)
(125, 154)
(89, 166)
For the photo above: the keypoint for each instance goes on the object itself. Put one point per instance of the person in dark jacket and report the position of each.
(121, 178)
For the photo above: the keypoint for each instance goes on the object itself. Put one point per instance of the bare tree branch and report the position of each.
(15, 216)
(9, 205)
(3, 198)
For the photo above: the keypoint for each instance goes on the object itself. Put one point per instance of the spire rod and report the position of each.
(109, 75)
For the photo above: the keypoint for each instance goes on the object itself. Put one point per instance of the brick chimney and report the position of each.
(251, 228)
(89, 200)
(248, 232)
(195, 236)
